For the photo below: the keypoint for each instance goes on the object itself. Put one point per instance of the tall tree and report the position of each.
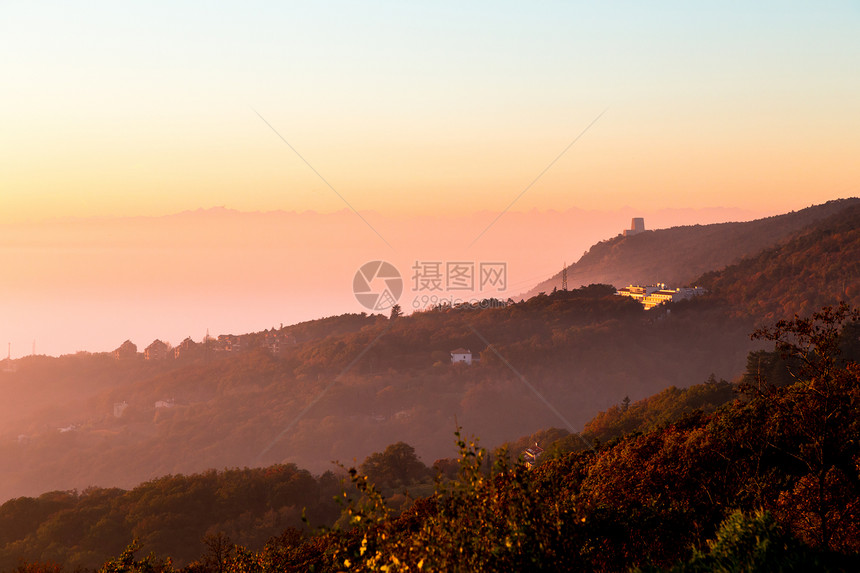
(815, 420)
(396, 312)
(397, 465)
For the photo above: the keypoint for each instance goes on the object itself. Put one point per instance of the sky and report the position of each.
(399, 111)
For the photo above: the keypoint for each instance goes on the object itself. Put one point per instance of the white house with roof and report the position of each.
(461, 355)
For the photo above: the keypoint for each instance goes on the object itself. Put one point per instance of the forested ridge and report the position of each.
(680, 467)
(584, 350)
(818, 266)
(758, 475)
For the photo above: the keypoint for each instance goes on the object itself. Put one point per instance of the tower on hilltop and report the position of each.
(637, 225)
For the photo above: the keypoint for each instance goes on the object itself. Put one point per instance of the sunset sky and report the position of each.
(113, 110)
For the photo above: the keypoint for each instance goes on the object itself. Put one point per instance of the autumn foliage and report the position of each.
(765, 480)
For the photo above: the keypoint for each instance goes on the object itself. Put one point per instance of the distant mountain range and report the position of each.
(678, 256)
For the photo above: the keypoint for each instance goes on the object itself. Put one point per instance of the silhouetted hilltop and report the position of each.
(679, 255)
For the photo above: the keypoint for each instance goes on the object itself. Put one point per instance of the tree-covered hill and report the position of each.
(344, 395)
(170, 515)
(679, 255)
(344, 387)
(183, 515)
(818, 266)
(756, 476)
(767, 482)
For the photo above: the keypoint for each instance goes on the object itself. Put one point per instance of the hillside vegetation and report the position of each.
(355, 391)
(817, 266)
(761, 478)
(347, 386)
(648, 447)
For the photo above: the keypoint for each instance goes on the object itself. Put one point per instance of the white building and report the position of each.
(461, 355)
(671, 295)
(639, 293)
(655, 295)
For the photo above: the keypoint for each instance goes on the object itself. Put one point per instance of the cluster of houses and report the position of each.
(274, 341)
(655, 295)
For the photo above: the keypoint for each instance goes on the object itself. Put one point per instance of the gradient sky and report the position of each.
(422, 116)
(112, 109)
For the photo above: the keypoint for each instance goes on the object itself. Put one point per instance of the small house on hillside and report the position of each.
(126, 351)
(532, 454)
(186, 349)
(228, 343)
(158, 350)
(461, 355)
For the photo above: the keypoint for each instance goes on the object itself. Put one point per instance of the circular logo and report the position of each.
(377, 285)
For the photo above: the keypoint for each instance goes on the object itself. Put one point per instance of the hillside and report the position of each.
(343, 387)
(346, 386)
(367, 383)
(818, 266)
(718, 476)
(679, 255)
